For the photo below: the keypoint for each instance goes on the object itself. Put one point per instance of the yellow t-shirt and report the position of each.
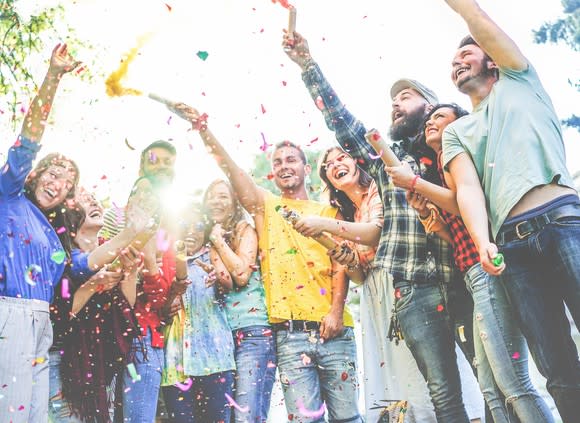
(296, 269)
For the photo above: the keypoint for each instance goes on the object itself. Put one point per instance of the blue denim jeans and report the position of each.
(313, 373)
(428, 331)
(502, 354)
(203, 402)
(140, 397)
(256, 371)
(542, 273)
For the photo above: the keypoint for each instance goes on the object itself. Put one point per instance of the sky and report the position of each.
(248, 86)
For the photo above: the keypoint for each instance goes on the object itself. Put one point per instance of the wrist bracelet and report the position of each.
(414, 182)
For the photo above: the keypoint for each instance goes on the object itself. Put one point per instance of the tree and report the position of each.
(567, 31)
(23, 35)
(263, 176)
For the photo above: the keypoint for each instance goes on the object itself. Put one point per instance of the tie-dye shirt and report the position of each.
(199, 340)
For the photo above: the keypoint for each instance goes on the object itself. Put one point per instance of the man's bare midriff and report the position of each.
(538, 196)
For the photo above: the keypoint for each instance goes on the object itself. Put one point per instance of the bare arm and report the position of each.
(251, 196)
(223, 277)
(490, 37)
(471, 202)
(237, 262)
(35, 121)
(332, 324)
(366, 233)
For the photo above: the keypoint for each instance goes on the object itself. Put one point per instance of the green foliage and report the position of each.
(262, 173)
(565, 29)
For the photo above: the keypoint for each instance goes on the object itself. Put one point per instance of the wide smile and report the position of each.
(461, 70)
(340, 173)
(397, 116)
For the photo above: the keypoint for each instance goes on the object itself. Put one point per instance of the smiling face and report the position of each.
(194, 233)
(409, 108)
(340, 169)
(471, 68)
(436, 124)
(93, 209)
(289, 169)
(159, 165)
(54, 184)
(219, 203)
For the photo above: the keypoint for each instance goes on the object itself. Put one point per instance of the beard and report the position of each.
(409, 126)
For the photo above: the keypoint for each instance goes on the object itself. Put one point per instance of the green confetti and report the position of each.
(292, 251)
(202, 55)
(58, 256)
(497, 260)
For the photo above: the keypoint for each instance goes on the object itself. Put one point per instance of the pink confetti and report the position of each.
(313, 141)
(185, 385)
(61, 230)
(516, 355)
(305, 359)
(236, 405)
(314, 414)
(64, 289)
(263, 108)
(378, 156)
(319, 103)
(322, 291)
(264, 145)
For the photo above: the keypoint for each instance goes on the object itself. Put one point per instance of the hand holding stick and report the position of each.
(292, 217)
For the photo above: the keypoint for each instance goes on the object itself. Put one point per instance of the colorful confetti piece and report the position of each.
(185, 385)
(202, 55)
(378, 156)
(32, 274)
(133, 372)
(58, 256)
(64, 289)
(314, 414)
(236, 405)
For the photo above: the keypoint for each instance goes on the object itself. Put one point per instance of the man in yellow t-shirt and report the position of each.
(305, 290)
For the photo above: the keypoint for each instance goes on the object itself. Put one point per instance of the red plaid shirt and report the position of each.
(464, 251)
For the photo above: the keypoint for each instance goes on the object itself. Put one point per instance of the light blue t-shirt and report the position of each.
(246, 306)
(514, 140)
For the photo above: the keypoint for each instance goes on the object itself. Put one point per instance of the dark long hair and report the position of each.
(336, 197)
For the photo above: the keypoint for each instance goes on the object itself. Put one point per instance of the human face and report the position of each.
(219, 203)
(54, 185)
(471, 69)
(288, 169)
(194, 236)
(159, 164)
(409, 108)
(340, 169)
(436, 124)
(93, 209)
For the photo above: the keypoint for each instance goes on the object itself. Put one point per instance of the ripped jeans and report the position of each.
(313, 372)
(502, 354)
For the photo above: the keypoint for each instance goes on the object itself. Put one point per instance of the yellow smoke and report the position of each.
(113, 82)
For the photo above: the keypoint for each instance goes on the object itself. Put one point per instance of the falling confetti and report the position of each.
(64, 289)
(440, 308)
(322, 291)
(202, 55)
(168, 7)
(292, 251)
(236, 405)
(58, 256)
(32, 274)
(314, 414)
(185, 385)
(516, 355)
(319, 103)
(264, 145)
(262, 108)
(378, 156)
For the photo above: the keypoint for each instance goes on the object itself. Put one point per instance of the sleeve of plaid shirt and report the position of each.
(349, 131)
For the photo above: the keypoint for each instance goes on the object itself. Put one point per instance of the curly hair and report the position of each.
(51, 159)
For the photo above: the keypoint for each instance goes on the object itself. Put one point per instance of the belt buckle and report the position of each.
(520, 235)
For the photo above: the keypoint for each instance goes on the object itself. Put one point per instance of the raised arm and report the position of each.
(61, 62)
(349, 131)
(250, 194)
(490, 37)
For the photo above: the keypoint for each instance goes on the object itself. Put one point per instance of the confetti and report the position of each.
(516, 355)
(319, 103)
(168, 7)
(64, 289)
(202, 55)
(61, 230)
(133, 372)
(344, 376)
(322, 291)
(305, 359)
(236, 405)
(426, 161)
(440, 308)
(292, 251)
(32, 274)
(378, 156)
(264, 145)
(262, 108)
(58, 256)
(185, 385)
(314, 414)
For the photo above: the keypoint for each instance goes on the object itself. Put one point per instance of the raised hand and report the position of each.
(61, 61)
(296, 47)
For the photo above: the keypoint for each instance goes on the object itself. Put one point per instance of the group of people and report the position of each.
(455, 249)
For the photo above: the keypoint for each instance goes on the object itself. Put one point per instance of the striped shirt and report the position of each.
(405, 250)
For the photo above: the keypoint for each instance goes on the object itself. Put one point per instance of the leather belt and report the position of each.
(296, 326)
(525, 228)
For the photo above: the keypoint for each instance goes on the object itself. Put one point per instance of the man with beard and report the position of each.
(140, 396)
(305, 290)
(509, 155)
(420, 264)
